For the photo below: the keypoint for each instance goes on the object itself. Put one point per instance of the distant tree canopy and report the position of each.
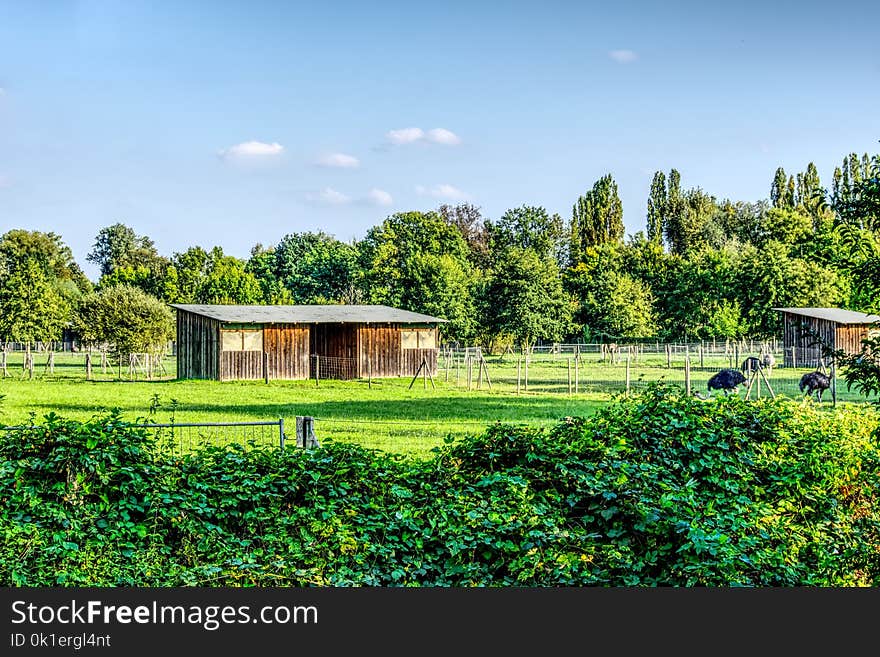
(703, 267)
(419, 261)
(119, 246)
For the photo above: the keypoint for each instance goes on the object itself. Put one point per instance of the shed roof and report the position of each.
(312, 314)
(837, 315)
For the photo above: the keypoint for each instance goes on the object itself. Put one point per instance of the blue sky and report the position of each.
(232, 123)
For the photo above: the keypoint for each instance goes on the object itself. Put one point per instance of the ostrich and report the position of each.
(727, 380)
(814, 382)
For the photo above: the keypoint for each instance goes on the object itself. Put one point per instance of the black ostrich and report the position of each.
(814, 382)
(727, 380)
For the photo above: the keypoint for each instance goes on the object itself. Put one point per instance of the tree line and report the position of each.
(702, 268)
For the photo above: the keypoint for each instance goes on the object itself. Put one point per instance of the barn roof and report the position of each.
(312, 314)
(837, 315)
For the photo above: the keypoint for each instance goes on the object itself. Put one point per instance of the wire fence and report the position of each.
(333, 367)
(178, 438)
(611, 369)
(89, 365)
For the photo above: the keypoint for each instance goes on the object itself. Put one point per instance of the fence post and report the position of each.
(527, 372)
(627, 373)
(577, 370)
(317, 370)
(266, 368)
(668, 357)
(281, 432)
(569, 376)
(794, 357)
(701, 356)
(687, 376)
(518, 366)
(833, 382)
(305, 432)
(50, 363)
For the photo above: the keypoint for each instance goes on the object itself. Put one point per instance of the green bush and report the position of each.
(661, 489)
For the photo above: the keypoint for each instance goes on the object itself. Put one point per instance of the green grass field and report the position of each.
(387, 414)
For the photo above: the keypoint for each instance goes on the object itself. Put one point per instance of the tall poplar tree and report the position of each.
(597, 217)
(657, 207)
(778, 188)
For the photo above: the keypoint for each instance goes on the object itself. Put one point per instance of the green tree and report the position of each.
(779, 189)
(690, 221)
(119, 246)
(261, 265)
(317, 268)
(226, 281)
(524, 298)
(529, 228)
(31, 309)
(597, 217)
(52, 255)
(192, 269)
(158, 278)
(613, 304)
(469, 221)
(769, 278)
(419, 262)
(785, 226)
(857, 222)
(657, 207)
(125, 318)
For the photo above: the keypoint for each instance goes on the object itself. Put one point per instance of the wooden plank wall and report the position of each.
(288, 348)
(412, 358)
(198, 346)
(241, 365)
(849, 337)
(381, 344)
(379, 350)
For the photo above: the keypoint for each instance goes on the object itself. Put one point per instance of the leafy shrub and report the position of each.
(660, 489)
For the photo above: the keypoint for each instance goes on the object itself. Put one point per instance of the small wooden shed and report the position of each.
(231, 342)
(837, 328)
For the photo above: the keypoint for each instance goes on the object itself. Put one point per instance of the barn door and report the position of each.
(287, 349)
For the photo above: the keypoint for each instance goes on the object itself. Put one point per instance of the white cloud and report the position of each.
(441, 191)
(329, 196)
(443, 136)
(405, 135)
(252, 149)
(623, 56)
(339, 161)
(413, 135)
(379, 197)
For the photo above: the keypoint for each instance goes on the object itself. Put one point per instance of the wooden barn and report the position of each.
(837, 328)
(228, 342)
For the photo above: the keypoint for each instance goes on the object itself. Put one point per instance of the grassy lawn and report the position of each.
(388, 415)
